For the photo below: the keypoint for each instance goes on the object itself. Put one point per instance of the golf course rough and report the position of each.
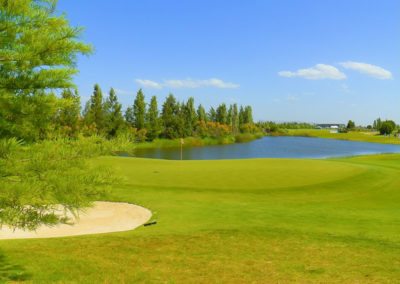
(237, 221)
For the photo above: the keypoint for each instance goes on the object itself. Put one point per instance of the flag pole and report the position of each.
(181, 149)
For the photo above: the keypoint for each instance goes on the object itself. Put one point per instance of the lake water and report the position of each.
(273, 147)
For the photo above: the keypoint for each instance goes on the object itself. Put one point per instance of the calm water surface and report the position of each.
(273, 147)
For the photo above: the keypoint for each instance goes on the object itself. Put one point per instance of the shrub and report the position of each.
(387, 127)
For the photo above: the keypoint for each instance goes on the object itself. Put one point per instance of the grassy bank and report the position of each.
(197, 141)
(236, 221)
(373, 137)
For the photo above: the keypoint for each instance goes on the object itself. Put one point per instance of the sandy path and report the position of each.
(103, 217)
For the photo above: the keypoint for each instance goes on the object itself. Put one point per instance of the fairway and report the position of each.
(235, 221)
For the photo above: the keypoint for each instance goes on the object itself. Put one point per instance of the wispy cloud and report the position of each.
(317, 72)
(292, 98)
(368, 69)
(187, 84)
(148, 84)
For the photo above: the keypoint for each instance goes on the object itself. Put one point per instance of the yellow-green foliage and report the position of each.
(238, 221)
(35, 179)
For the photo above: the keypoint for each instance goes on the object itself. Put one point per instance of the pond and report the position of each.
(272, 147)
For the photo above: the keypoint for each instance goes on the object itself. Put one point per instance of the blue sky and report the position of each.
(298, 60)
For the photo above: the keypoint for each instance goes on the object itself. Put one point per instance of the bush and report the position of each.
(387, 127)
(244, 137)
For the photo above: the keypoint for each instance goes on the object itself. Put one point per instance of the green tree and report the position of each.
(169, 116)
(38, 51)
(377, 124)
(95, 111)
(69, 114)
(387, 127)
(139, 110)
(229, 116)
(235, 119)
(201, 113)
(114, 120)
(212, 115)
(38, 47)
(248, 115)
(180, 120)
(190, 117)
(221, 114)
(350, 125)
(153, 120)
(29, 117)
(242, 119)
(129, 117)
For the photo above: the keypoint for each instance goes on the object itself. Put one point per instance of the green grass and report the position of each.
(373, 137)
(237, 221)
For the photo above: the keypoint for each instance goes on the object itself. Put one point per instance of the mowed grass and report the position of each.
(360, 136)
(237, 221)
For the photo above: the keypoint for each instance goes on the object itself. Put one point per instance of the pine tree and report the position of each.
(129, 117)
(248, 115)
(139, 110)
(351, 125)
(229, 116)
(212, 115)
(38, 47)
(190, 117)
(95, 114)
(241, 116)
(201, 113)
(377, 124)
(235, 119)
(38, 51)
(181, 126)
(169, 115)
(153, 120)
(221, 114)
(114, 119)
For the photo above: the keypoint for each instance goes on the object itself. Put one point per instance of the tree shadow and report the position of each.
(11, 272)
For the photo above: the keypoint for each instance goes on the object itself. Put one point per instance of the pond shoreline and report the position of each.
(357, 136)
(272, 147)
(163, 143)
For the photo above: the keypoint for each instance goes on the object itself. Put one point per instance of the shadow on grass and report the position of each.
(11, 272)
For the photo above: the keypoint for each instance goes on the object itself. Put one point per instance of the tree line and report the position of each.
(173, 120)
(40, 116)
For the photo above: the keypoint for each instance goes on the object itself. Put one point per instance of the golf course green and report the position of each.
(234, 221)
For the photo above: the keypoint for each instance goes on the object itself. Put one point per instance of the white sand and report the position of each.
(103, 217)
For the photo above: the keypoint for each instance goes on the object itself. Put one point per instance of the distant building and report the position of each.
(330, 126)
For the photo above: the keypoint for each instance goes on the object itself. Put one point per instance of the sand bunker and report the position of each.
(103, 217)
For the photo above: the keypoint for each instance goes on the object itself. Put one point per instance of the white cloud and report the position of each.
(148, 84)
(188, 84)
(369, 69)
(317, 72)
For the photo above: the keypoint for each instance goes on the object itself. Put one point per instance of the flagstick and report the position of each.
(181, 148)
